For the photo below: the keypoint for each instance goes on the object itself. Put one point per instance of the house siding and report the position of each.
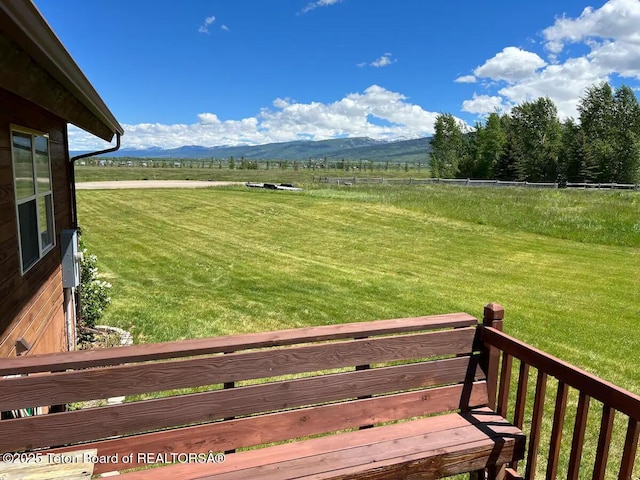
(32, 305)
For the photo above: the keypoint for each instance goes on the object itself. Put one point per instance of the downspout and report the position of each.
(72, 297)
(72, 160)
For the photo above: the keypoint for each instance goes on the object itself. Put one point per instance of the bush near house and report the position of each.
(94, 296)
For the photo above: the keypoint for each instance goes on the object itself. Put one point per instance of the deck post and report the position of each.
(493, 317)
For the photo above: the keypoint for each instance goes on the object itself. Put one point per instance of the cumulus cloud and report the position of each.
(376, 113)
(204, 28)
(612, 40)
(616, 20)
(319, 3)
(484, 104)
(512, 64)
(466, 79)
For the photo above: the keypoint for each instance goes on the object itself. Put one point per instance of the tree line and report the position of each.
(531, 144)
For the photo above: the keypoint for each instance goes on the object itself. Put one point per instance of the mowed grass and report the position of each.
(195, 263)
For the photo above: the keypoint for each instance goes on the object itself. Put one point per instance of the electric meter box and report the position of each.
(71, 257)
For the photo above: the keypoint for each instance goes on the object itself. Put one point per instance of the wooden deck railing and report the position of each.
(587, 387)
(508, 364)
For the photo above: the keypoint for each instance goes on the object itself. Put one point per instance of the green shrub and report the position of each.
(94, 296)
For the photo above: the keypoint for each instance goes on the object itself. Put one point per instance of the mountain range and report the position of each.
(352, 149)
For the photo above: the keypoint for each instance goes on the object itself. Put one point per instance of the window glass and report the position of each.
(34, 196)
(23, 165)
(28, 233)
(43, 174)
(45, 213)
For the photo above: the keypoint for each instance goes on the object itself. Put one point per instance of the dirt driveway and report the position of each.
(120, 184)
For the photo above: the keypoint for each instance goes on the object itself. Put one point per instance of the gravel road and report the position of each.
(120, 184)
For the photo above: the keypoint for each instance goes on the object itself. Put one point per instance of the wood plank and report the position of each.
(20, 294)
(521, 395)
(505, 383)
(276, 427)
(92, 424)
(536, 425)
(418, 442)
(521, 398)
(9, 260)
(74, 386)
(556, 431)
(32, 316)
(6, 195)
(604, 441)
(493, 317)
(74, 465)
(577, 443)
(8, 227)
(231, 343)
(511, 474)
(601, 390)
(630, 448)
(430, 456)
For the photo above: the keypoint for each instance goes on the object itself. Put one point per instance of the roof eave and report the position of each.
(36, 38)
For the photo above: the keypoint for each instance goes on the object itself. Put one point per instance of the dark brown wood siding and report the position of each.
(31, 305)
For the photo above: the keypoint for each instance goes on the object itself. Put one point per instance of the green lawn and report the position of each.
(565, 265)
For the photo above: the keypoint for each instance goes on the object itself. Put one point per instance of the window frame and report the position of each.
(37, 196)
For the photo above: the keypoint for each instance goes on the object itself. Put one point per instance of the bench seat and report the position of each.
(354, 400)
(427, 448)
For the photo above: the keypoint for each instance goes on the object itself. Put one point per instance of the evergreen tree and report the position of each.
(511, 163)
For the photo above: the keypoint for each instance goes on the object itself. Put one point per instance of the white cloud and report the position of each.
(483, 104)
(383, 61)
(376, 113)
(612, 32)
(611, 35)
(466, 79)
(224, 28)
(512, 64)
(204, 28)
(564, 84)
(616, 19)
(319, 3)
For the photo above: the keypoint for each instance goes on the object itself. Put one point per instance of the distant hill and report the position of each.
(352, 149)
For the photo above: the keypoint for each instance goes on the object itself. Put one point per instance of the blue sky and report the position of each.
(228, 72)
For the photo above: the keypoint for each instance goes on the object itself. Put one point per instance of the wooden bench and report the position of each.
(405, 398)
(412, 398)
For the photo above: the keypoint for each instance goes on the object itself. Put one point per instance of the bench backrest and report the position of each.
(302, 382)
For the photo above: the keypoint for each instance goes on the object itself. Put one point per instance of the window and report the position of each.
(34, 195)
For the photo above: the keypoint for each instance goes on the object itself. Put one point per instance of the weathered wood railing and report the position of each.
(376, 387)
(572, 380)
(379, 372)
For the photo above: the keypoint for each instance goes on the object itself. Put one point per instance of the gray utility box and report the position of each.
(71, 258)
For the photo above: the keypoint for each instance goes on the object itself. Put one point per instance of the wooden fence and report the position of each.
(466, 182)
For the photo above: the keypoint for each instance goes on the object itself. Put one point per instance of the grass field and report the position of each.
(565, 265)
